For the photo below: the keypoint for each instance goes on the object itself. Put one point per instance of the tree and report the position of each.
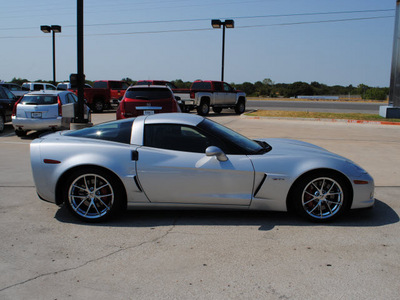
(375, 94)
(19, 81)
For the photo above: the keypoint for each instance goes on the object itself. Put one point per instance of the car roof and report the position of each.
(48, 92)
(145, 86)
(173, 118)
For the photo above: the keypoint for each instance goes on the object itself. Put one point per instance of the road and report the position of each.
(47, 254)
(315, 106)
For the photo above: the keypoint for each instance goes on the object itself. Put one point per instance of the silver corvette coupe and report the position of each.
(186, 161)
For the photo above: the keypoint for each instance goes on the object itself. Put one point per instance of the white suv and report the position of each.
(38, 86)
(44, 110)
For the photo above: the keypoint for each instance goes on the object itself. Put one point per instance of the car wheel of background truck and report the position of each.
(240, 107)
(1, 123)
(204, 108)
(98, 106)
(20, 132)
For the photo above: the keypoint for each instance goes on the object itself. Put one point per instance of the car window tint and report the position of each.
(39, 100)
(218, 86)
(118, 131)
(3, 94)
(100, 85)
(50, 87)
(37, 87)
(148, 93)
(201, 85)
(178, 137)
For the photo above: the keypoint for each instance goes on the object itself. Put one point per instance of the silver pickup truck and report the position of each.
(215, 94)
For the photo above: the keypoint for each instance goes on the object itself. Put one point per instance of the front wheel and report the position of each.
(240, 107)
(98, 106)
(321, 197)
(20, 133)
(93, 195)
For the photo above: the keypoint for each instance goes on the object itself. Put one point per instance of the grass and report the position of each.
(319, 115)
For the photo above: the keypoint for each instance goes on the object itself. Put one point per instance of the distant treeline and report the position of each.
(268, 88)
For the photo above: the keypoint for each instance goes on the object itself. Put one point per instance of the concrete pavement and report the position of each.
(46, 254)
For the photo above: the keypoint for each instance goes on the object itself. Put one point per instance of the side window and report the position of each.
(72, 98)
(50, 87)
(37, 87)
(178, 137)
(227, 87)
(218, 86)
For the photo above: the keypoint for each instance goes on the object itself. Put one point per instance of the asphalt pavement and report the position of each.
(47, 254)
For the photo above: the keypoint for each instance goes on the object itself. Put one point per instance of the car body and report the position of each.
(45, 110)
(14, 88)
(7, 101)
(186, 161)
(117, 89)
(38, 86)
(147, 99)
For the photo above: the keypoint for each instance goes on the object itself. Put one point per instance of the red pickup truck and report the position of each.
(104, 94)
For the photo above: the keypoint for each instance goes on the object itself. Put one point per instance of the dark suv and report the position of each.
(7, 101)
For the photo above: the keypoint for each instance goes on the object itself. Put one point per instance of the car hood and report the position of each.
(297, 148)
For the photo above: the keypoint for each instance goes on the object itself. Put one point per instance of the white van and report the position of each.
(38, 86)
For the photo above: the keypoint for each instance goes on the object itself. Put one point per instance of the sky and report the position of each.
(332, 42)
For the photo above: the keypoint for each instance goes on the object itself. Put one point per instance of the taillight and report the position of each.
(192, 95)
(59, 106)
(122, 108)
(14, 111)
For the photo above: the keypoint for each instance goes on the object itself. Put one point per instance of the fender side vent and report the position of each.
(260, 185)
(137, 184)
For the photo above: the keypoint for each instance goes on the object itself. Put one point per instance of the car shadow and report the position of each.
(380, 215)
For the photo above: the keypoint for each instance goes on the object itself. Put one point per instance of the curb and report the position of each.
(363, 122)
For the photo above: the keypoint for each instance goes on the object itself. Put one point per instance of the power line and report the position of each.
(208, 29)
(208, 19)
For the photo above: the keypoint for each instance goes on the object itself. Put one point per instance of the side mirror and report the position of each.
(215, 151)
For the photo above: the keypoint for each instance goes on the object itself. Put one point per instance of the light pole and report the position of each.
(227, 24)
(53, 29)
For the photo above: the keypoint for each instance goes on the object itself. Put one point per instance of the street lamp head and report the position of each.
(229, 24)
(216, 23)
(45, 28)
(56, 28)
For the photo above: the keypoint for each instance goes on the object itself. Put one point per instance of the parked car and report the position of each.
(38, 86)
(45, 110)
(117, 89)
(63, 86)
(7, 101)
(147, 100)
(186, 161)
(14, 88)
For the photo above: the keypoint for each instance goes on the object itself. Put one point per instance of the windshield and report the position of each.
(250, 146)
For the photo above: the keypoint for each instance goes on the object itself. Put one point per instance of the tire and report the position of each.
(217, 110)
(204, 108)
(93, 195)
(20, 133)
(98, 106)
(240, 107)
(2, 121)
(321, 196)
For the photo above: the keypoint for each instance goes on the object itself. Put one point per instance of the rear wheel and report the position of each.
(98, 106)
(20, 133)
(93, 195)
(2, 121)
(204, 108)
(321, 196)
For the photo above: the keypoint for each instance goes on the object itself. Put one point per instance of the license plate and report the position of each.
(148, 112)
(36, 115)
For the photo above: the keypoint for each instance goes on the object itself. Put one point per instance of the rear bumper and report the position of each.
(38, 124)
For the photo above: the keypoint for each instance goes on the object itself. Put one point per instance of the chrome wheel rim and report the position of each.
(98, 105)
(91, 196)
(322, 198)
(204, 108)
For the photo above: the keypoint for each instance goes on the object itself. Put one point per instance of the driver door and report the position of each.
(172, 168)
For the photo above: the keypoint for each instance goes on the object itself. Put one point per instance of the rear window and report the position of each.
(118, 85)
(117, 131)
(63, 87)
(100, 85)
(148, 93)
(201, 85)
(39, 99)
